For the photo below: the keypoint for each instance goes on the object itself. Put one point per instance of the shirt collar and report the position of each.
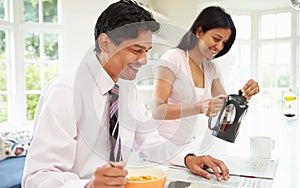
(102, 78)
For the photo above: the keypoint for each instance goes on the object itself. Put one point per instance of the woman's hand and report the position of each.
(211, 107)
(251, 88)
(199, 164)
(109, 176)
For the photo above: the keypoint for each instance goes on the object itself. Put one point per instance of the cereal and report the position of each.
(141, 178)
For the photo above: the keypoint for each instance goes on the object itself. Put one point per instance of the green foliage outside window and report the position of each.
(51, 46)
(32, 46)
(2, 10)
(50, 11)
(31, 103)
(2, 45)
(3, 73)
(3, 77)
(3, 98)
(31, 11)
(40, 73)
(33, 79)
(3, 108)
(33, 82)
(51, 71)
(40, 66)
(37, 75)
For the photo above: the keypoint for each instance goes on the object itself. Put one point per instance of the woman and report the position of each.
(187, 82)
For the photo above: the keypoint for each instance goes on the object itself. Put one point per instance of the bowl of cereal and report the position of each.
(146, 177)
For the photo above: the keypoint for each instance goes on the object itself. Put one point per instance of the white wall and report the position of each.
(182, 13)
(79, 18)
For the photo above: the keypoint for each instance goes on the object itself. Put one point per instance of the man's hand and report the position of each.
(109, 176)
(199, 164)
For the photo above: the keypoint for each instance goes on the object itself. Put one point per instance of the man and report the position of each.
(74, 136)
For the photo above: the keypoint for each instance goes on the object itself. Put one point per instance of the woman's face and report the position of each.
(211, 42)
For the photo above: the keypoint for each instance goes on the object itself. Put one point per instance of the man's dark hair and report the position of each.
(210, 18)
(123, 20)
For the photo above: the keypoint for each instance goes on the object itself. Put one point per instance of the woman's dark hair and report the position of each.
(123, 20)
(210, 18)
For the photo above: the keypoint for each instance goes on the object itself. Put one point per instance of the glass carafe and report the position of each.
(227, 123)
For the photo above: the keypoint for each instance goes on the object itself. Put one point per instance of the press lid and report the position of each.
(240, 99)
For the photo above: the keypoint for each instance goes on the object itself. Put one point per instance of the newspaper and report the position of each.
(175, 177)
(244, 173)
(256, 168)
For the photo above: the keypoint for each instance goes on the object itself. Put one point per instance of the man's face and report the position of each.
(127, 57)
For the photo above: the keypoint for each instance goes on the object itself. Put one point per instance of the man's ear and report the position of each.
(103, 41)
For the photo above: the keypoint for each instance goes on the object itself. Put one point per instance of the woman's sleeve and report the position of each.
(170, 59)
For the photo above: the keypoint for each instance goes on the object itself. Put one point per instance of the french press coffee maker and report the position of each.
(225, 125)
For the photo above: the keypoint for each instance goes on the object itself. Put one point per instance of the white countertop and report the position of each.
(265, 123)
(286, 134)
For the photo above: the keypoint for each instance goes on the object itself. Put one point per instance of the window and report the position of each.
(243, 26)
(41, 11)
(298, 18)
(3, 7)
(41, 65)
(275, 63)
(242, 49)
(30, 56)
(267, 50)
(276, 25)
(236, 65)
(3, 77)
(4, 63)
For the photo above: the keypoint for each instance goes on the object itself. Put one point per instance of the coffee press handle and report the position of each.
(212, 125)
(209, 123)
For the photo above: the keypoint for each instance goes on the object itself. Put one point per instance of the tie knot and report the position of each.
(114, 90)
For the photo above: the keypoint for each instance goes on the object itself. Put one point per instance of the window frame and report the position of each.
(16, 87)
(293, 40)
(256, 42)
